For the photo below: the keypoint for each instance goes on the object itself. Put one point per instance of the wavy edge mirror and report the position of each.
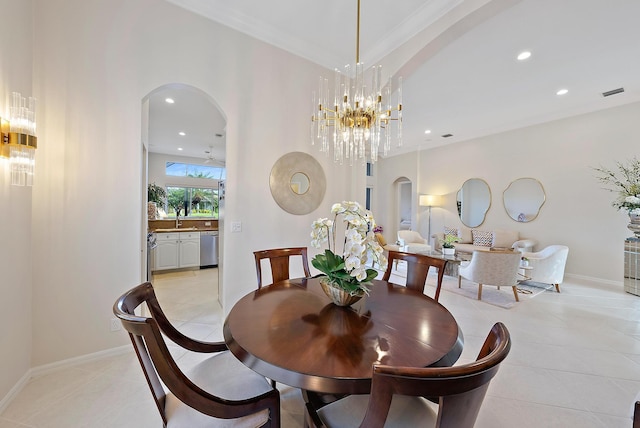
(283, 185)
(520, 207)
(459, 202)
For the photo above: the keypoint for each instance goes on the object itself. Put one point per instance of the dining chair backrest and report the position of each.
(460, 390)
(160, 368)
(417, 269)
(493, 267)
(279, 261)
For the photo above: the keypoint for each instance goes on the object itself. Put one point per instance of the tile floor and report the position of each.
(575, 362)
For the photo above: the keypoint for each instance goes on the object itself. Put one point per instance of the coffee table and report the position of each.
(453, 261)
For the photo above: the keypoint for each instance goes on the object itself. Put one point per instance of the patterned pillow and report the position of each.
(482, 238)
(451, 231)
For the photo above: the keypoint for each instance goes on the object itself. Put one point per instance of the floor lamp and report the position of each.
(429, 201)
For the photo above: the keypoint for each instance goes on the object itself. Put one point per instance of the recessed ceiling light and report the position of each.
(562, 92)
(428, 131)
(181, 133)
(179, 149)
(524, 55)
(169, 100)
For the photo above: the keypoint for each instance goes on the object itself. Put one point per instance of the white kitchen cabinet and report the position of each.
(166, 253)
(177, 250)
(189, 251)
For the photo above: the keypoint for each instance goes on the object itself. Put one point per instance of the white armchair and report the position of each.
(548, 265)
(492, 268)
(412, 242)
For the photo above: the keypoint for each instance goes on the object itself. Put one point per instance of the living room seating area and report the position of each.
(470, 240)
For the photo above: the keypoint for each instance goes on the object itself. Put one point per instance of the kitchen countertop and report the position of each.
(184, 229)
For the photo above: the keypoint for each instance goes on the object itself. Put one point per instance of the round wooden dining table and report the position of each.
(290, 332)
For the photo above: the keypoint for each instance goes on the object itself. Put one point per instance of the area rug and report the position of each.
(502, 298)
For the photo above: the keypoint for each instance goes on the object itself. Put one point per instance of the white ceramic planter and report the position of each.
(448, 251)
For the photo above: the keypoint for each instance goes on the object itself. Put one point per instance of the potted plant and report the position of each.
(447, 244)
(626, 183)
(156, 196)
(346, 278)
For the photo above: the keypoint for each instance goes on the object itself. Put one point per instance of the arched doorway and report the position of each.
(184, 152)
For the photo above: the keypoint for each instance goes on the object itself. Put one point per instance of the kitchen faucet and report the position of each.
(178, 224)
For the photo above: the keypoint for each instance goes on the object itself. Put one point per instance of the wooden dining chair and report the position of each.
(279, 261)
(417, 269)
(396, 398)
(220, 391)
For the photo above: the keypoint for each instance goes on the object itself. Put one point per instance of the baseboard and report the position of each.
(13, 392)
(617, 284)
(82, 359)
(58, 365)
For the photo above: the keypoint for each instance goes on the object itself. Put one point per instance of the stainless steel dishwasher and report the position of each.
(208, 249)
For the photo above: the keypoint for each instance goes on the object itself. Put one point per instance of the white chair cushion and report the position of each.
(405, 411)
(223, 376)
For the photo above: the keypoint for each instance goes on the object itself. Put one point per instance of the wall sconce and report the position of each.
(429, 201)
(19, 140)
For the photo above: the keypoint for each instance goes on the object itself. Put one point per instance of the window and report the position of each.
(192, 201)
(368, 198)
(369, 169)
(177, 169)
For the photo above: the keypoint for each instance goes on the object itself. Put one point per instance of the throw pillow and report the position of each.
(380, 239)
(451, 231)
(465, 236)
(482, 238)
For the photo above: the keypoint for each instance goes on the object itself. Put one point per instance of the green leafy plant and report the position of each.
(156, 194)
(449, 240)
(626, 182)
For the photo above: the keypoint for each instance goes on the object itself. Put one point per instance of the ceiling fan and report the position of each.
(211, 159)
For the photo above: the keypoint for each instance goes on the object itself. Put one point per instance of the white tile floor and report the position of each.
(575, 362)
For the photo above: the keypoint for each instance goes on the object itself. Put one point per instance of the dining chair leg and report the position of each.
(479, 291)
(515, 293)
(459, 281)
(557, 287)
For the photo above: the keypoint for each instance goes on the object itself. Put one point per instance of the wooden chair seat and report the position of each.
(218, 392)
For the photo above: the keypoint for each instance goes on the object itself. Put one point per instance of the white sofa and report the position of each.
(483, 240)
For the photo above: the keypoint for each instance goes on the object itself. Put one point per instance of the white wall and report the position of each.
(15, 205)
(577, 212)
(94, 63)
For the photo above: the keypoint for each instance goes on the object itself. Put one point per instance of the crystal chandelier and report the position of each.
(360, 116)
(19, 142)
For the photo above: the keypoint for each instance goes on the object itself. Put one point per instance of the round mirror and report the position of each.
(473, 200)
(299, 183)
(523, 199)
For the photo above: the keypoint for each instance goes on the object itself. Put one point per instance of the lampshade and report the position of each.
(429, 200)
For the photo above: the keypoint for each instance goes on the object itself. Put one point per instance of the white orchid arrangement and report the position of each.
(348, 270)
(626, 182)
